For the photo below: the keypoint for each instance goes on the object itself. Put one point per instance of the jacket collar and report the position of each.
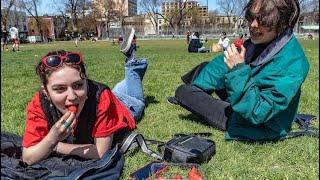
(273, 48)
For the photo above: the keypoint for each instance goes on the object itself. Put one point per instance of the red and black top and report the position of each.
(111, 116)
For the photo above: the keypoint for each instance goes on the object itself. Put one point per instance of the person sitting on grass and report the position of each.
(74, 115)
(195, 45)
(260, 86)
(224, 41)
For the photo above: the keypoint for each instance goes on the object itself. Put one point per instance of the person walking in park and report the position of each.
(259, 87)
(74, 115)
(14, 35)
(4, 39)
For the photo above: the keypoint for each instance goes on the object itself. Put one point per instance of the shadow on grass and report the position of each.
(150, 100)
(194, 118)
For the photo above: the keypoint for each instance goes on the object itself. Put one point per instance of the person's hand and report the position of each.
(63, 127)
(232, 56)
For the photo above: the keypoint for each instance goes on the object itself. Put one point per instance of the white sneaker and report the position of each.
(127, 41)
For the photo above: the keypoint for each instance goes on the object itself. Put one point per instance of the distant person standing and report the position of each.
(4, 38)
(224, 41)
(14, 35)
(76, 37)
(120, 39)
(188, 37)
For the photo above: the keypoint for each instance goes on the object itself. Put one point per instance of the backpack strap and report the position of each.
(304, 121)
(310, 133)
(134, 139)
(206, 134)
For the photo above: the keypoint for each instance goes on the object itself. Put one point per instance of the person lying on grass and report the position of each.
(260, 86)
(74, 115)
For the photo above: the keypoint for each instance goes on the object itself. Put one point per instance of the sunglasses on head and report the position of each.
(56, 60)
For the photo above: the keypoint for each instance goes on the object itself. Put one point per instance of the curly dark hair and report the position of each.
(44, 72)
(276, 14)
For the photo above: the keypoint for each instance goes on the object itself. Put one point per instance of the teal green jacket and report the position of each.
(263, 94)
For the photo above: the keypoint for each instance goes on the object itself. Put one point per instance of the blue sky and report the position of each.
(45, 6)
(211, 3)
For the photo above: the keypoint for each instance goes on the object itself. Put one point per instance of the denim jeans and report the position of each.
(130, 90)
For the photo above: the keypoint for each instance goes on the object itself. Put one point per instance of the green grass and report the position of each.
(296, 158)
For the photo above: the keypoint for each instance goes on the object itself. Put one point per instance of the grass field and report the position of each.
(296, 158)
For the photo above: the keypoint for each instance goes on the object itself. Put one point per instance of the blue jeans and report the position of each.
(130, 90)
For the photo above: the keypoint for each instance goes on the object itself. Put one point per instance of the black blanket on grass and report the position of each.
(57, 166)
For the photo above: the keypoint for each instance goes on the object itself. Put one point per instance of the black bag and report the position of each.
(181, 148)
(189, 149)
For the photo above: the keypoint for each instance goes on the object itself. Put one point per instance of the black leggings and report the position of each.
(214, 111)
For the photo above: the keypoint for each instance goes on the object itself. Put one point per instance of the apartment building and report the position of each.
(125, 7)
(168, 7)
(308, 22)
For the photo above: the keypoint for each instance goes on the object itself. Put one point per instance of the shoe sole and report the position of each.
(125, 46)
(172, 103)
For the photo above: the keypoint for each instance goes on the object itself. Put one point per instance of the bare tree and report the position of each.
(105, 11)
(121, 13)
(240, 4)
(228, 8)
(72, 7)
(88, 23)
(213, 20)
(59, 7)
(176, 15)
(31, 7)
(195, 19)
(4, 15)
(309, 5)
(151, 7)
(315, 6)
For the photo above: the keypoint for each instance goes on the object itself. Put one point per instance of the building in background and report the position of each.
(123, 7)
(47, 27)
(132, 7)
(308, 22)
(111, 15)
(168, 7)
(221, 24)
(195, 15)
(17, 19)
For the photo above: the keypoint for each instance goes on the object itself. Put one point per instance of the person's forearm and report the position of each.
(42, 150)
(87, 151)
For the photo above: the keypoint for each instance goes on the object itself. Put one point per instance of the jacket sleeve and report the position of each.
(277, 87)
(212, 75)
